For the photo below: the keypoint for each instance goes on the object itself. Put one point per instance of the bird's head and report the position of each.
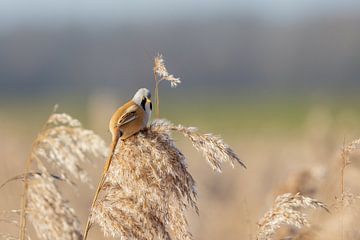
(143, 98)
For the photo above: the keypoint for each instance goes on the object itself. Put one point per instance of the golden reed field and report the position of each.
(172, 181)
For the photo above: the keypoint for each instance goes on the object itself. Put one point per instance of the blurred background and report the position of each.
(279, 80)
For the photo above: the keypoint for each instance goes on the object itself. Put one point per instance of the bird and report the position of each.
(131, 118)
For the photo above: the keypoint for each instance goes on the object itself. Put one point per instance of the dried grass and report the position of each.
(48, 211)
(67, 146)
(161, 71)
(346, 197)
(286, 211)
(213, 148)
(64, 146)
(148, 187)
(161, 74)
(345, 160)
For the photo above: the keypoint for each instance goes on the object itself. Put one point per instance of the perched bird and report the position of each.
(129, 119)
(132, 117)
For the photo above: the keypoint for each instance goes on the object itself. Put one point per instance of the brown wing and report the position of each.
(128, 116)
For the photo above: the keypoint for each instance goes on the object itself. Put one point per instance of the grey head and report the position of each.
(141, 95)
(143, 99)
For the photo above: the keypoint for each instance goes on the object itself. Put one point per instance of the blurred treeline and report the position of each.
(316, 55)
(246, 73)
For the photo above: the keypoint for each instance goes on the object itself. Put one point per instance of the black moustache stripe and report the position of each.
(143, 102)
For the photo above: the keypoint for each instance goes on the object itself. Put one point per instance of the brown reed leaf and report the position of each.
(286, 211)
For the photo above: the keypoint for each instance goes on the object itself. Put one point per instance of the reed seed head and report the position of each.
(286, 211)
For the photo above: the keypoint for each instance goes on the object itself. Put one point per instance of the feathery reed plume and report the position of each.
(148, 187)
(147, 190)
(64, 145)
(345, 161)
(306, 182)
(286, 210)
(348, 199)
(213, 148)
(50, 214)
(162, 74)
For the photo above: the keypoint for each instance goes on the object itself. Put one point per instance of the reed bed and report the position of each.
(146, 189)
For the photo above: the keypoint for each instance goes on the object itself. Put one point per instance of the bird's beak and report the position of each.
(148, 100)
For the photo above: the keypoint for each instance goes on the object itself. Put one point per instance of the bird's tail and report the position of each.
(113, 145)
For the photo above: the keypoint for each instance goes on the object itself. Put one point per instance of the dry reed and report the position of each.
(346, 196)
(212, 147)
(161, 74)
(345, 161)
(286, 211)
(64, 146)
(148, 187)
(67, 146)
(48, 211)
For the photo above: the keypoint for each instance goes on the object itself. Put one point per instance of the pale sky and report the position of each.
(15, 12)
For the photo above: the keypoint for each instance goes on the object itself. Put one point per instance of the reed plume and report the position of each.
(148, 187)
(63, 145)
(286, 211)
(161, 74)
(48, 211)
(212, 147)
(345, 161)
(67, 146)
(346, 197)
